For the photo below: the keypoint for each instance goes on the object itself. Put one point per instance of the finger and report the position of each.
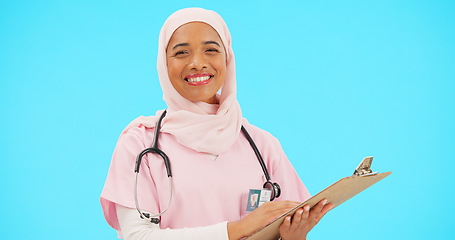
(291, 202)
(272, 210)
(287, 204)
(296, 219)
(312, 221)
(281, 207)
(305, 214)
(324, 210)
(316, 209)
(286, 224)
(280, 204)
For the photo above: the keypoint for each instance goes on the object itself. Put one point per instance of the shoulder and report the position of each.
(256, 131)
(137, 135)
(261, 137)
(140, 125)
(268, 146)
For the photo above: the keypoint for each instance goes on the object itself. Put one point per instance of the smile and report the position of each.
(198, 79)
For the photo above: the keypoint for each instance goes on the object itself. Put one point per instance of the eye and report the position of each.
(181, 52)
(212, 50)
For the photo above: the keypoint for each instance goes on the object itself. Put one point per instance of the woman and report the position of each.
(213, 165)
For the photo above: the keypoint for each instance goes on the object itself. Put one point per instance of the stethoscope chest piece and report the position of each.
(274, 187)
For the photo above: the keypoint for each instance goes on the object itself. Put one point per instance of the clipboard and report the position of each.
(337, 193)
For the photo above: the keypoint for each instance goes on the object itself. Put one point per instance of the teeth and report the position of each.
(198, 79)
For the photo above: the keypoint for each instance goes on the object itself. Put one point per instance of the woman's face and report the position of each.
(196, 62)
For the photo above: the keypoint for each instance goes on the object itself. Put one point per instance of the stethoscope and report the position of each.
(272, 186)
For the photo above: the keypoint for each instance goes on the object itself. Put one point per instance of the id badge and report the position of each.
(257, 197)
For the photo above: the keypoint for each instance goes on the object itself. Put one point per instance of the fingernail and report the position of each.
(324, 202)
(307, 208)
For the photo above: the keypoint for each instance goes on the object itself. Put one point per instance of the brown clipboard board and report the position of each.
(337, 193)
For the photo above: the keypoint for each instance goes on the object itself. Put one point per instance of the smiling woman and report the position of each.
(214, 165)
(196, 62)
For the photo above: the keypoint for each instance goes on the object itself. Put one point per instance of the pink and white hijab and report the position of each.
(203, 127)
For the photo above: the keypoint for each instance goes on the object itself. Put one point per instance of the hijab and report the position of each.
(203, 127)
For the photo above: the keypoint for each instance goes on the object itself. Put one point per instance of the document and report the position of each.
(337, 193)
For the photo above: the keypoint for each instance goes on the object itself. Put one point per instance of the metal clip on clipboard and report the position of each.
(364, 168)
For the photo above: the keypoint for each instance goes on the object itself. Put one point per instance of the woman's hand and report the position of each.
(303, 221)
(258, 218)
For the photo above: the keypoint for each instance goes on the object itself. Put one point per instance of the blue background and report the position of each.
(335, 81)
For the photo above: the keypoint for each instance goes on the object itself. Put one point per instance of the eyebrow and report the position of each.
(212, 42)
(180, 44)
(187, 44)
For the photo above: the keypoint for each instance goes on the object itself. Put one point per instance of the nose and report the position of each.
(197, 62)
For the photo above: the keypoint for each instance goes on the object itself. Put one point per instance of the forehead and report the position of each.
(194, 32)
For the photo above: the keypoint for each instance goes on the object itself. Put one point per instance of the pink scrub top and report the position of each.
(206, 191)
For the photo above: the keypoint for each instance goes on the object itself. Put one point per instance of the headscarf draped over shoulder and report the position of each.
(203, 127)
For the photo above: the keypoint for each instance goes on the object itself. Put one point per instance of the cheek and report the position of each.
(174, 74)
(173, 69)
(221, 68)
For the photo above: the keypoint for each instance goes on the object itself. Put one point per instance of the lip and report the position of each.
(196, 75)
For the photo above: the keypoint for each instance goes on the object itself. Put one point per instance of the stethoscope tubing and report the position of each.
(151, 216)
(154, 149)
(258, 154)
